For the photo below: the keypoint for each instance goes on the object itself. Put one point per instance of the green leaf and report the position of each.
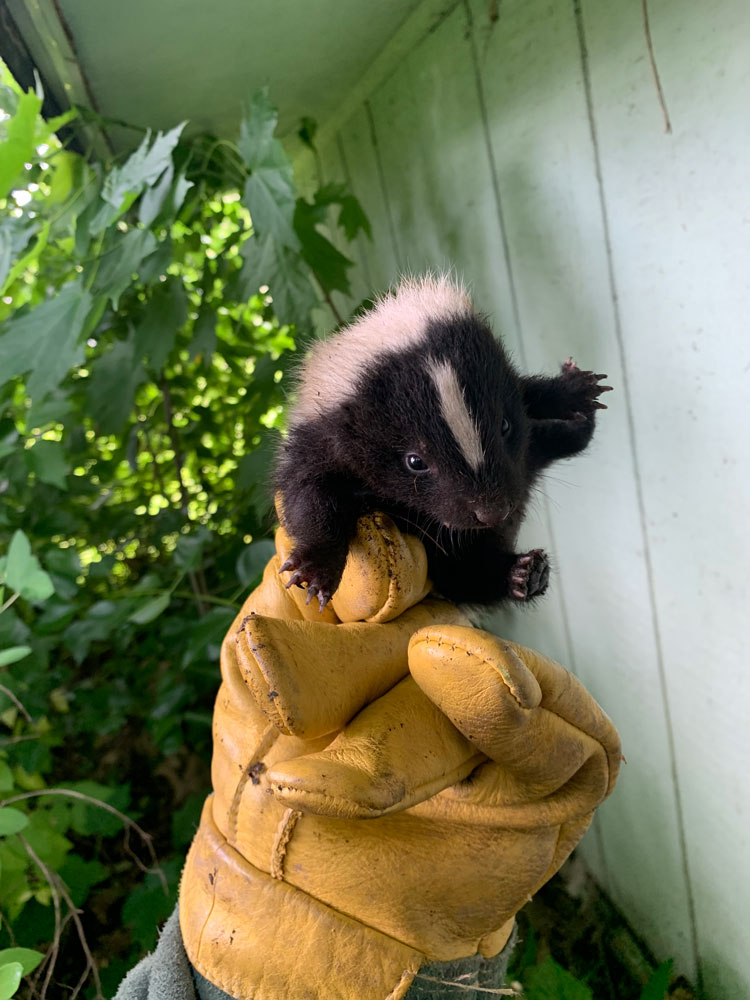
(153, 197)
(257, 129)
(13, 655)
(166, 313)
(14, 236)
(112, 385)
(88, 818)
(56, 408)
(189, 550)
(549, 981)
(269, 196)
(18, 146)
(12, 821)
(45, 341)
(100, 621)
(268, 263)
(203, 343)
(47, 460)
(23, 262)
(150, 609)
(162, 202)
(205, 637)
(352, 218)
(321, 256)
(80, 876)
(23, 572)
(252, 560)
(10, 979)
(116, 269)
(26, 957)
(269, 193)
(658, 985)
(54, 125)
(254, 472)
(156, 264)
(143, 167)
(65, 166)
(6, 777)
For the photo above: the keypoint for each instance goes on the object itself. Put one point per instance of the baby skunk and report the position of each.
(416, 410)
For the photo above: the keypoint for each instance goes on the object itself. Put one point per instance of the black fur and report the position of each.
(351, 461)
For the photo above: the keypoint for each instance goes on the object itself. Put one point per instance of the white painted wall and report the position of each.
(523, 141)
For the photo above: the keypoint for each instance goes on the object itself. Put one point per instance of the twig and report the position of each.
(74, 914)
(54, 949)
(12, 740)
(463, 986)
(327, 296)
(70, 793)
(654, 68)
(19, 704)
(11, 600)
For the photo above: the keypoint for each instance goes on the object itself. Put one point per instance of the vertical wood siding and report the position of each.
(523, 142)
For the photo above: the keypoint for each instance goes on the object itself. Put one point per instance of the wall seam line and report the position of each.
(516, 310)
(384, 189)
(656, 629)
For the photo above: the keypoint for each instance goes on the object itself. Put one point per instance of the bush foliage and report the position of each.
(151, 308)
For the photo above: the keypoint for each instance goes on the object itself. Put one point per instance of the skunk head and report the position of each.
(423, 407)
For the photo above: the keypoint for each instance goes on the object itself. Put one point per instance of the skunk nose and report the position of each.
(493, 517)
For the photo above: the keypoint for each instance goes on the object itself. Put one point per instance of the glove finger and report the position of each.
(398, 751)
(311, 678)
(385, 573)
(518, 707)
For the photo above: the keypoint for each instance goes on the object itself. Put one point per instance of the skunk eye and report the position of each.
(415, 464)
(505, 427)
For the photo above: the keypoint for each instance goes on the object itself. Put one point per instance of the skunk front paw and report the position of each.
(311, 571)
(529, 575)
(582, 390)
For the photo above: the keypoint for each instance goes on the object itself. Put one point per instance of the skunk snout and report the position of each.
(493, 517)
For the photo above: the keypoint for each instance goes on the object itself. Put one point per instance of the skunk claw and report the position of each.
(297, 578)
(291, 563)
(311, 592)
(529, 575)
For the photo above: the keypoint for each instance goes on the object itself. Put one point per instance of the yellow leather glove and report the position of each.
(390, 785)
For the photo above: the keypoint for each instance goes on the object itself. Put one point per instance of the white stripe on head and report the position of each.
(456, 412)
(397, 321)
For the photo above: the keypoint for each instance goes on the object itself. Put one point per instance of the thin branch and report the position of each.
(327, 296)
(126, 820)
(54, 880)
(19, 704)
(462, 986)
(54, 949)
(11, 600)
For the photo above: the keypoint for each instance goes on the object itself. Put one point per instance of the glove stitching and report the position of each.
(489, 661)
(283, 837)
